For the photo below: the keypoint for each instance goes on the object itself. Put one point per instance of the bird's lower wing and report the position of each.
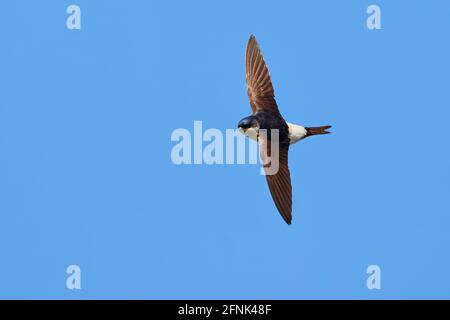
(279, 181)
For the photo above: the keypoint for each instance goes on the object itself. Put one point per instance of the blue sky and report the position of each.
(86, 176)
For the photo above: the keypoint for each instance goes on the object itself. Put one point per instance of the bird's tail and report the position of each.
(312, 131)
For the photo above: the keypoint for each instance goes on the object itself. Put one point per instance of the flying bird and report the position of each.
(266, 115)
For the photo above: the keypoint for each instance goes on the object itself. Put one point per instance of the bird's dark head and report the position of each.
(247, 122)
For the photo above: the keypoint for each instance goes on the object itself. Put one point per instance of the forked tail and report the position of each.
(312, 131)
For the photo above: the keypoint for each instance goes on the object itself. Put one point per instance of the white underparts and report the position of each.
(252, 133)
(296, 132)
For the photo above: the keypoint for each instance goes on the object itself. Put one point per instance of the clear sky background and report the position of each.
(86, 176)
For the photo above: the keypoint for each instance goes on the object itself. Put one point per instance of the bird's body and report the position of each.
(295, 133)
(265, 118)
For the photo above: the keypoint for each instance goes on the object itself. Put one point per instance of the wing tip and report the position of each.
(252, 39)
(288, 220)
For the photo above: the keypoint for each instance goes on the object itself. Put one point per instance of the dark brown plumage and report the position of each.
(265, 118)
(265, 110)
(259, 85)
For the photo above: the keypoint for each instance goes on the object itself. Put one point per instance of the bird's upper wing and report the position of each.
(259, 86)
(279, 183)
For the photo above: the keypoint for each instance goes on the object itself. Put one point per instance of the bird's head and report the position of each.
(247, 122)
(249, 126)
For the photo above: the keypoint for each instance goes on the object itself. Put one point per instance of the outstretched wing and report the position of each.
(279, 183)
(259, 85)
